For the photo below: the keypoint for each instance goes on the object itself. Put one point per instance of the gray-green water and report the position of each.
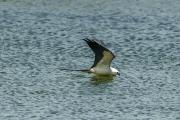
(39, 37)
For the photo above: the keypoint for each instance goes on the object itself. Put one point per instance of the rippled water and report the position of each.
(38, 38)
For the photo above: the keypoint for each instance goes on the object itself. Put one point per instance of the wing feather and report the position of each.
(103, 56)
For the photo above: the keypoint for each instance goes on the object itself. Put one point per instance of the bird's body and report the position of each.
(103, 59)
(104, 71)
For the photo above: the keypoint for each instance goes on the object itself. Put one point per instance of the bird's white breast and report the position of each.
(101, 70)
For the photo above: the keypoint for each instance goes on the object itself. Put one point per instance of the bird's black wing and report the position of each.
(102, 54)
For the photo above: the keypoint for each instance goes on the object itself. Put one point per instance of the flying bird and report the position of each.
(103, 59)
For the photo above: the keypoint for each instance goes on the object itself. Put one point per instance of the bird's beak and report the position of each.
(118, 73)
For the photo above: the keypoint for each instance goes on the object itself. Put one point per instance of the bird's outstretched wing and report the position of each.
(103, 56)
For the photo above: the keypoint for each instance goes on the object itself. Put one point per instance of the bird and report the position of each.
(103, 59)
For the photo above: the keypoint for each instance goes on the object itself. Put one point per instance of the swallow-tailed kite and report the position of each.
(103, 59)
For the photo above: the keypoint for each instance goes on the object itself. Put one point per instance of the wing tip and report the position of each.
(86, 39)
(93, 41)
(90, 41)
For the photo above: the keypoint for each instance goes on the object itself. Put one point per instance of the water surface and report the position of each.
(40, 37)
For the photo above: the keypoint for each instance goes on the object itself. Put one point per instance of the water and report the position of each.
(38, 38)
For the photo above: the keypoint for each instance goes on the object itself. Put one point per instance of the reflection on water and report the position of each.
(96, 79)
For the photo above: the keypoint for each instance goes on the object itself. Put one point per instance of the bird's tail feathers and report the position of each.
(82, 70)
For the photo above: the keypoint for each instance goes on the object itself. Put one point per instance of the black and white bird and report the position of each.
(103, 59)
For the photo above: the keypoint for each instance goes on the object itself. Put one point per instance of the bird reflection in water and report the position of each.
(96, 79)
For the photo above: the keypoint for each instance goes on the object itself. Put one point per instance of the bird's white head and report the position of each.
(114, 71)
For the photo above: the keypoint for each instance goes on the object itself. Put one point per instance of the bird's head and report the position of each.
(115, 71)
(118, 73)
